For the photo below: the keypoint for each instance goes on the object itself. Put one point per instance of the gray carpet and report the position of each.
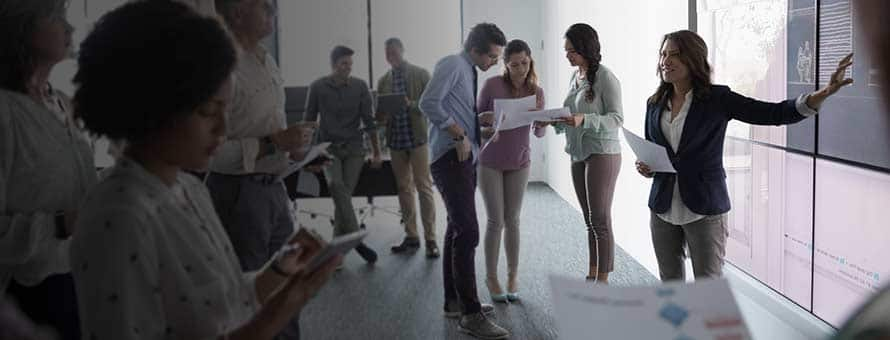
(401, 296)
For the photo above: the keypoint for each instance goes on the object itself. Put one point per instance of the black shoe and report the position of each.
(366, 253)
(408, 244)
(432, 251)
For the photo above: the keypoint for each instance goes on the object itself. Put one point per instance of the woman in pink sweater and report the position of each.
(504, 166)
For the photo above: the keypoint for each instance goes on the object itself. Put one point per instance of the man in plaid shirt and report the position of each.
(406, 133)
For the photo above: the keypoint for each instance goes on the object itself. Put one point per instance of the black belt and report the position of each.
(266, 179)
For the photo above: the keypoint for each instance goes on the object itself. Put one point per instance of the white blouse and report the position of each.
(46, 166)
(679, 213)
(152, 261)
(257, 110)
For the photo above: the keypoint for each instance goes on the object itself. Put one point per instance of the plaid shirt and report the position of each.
(402, 137)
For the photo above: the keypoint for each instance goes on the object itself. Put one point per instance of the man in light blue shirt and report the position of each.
(450, 103)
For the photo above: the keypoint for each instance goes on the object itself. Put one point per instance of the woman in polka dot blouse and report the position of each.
(150, 258)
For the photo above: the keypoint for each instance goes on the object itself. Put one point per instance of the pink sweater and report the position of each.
(511, 150)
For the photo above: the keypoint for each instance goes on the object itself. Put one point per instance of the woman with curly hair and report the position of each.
(151, 259)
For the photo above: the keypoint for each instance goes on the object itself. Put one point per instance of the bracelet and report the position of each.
(275, 268)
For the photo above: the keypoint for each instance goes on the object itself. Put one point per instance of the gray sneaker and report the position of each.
(453, 310)
(481, 327)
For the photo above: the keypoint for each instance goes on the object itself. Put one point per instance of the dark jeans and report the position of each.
(255, 212)
(53, 302)
(456, 182)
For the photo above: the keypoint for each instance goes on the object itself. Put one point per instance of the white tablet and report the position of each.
(338, 245)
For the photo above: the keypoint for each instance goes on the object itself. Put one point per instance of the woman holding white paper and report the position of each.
(504, 166)
(688, 115)
(592, 140)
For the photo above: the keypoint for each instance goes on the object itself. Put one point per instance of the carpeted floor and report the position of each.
(401, 296)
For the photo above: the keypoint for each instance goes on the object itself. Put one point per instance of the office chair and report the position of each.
(376, 182)
(372, 183)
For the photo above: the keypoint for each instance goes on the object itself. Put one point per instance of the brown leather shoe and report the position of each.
(366, 253)
(408, 244)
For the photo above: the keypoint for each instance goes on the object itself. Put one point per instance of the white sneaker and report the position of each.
(481, 327)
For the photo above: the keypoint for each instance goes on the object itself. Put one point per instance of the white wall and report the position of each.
(518, 19)
(82, 14)
(309, 31)
(630, 34)
(430, 31)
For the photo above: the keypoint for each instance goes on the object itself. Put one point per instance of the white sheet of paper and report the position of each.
(315, 151)
(308, 184)
(526, 118)
(498, 121)
(551, 115)
(705, 309)
(504, 105)
(654, 155)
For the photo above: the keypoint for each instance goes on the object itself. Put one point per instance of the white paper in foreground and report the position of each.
(654, 155)
(315, 151)
(705, 309)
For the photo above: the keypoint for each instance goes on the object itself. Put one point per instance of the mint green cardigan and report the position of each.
(602, 117)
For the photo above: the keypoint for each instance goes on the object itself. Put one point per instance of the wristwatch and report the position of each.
(61, 231)
(269, 144)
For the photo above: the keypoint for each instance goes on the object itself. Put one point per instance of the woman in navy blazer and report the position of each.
(688, 116)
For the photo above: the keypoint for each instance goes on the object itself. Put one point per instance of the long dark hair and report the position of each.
(18, 22)
(586, 42)
(531, 79)
(694, 54)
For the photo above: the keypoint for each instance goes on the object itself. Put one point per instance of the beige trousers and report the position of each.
(502, 192)
(412, 171)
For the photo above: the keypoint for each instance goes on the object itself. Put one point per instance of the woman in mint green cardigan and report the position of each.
(592, 141)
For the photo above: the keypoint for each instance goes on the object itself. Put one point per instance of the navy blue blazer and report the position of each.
(699, 156)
